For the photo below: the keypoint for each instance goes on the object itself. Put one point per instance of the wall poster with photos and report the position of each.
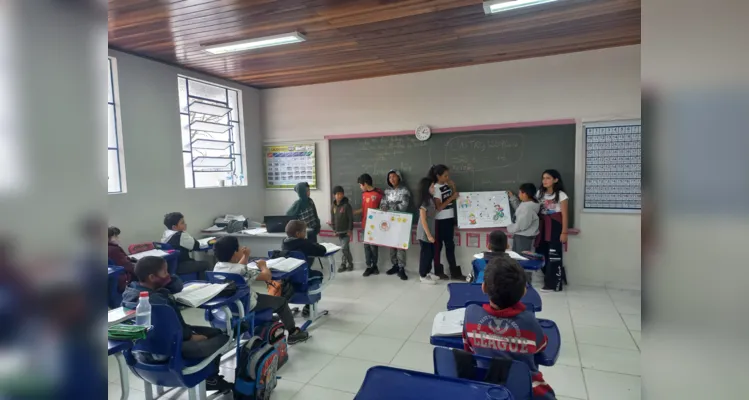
(613, 166)
(288, 164)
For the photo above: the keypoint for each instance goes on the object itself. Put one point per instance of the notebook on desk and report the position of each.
(196, 294)
(154, 252)
(119, 314)
(330, 247)
(512, 254)
(205, 241)
(449, 323)
(280, 264)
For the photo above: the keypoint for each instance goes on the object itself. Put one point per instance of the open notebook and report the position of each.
(331, 247)
(154, 252)
(194, 295)
(281, 264)
(512, 254)
(204, 241)
(449, 323)
(118, 315)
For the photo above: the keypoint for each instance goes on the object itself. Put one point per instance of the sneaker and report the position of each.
(427, 280)
(350, 267)
(305, 311)
(218, 383)
(375, 270)
(457, 275)
(443, 277)
(297, 337)
(393, 271)
(367, 272)
(402, 274)
(547, 289)
(342, 268)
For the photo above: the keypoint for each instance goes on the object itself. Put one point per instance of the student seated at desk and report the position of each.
(296, 240)
(198, 342)
(176, 235)
(117, 254)
(233, 259)
(504, 326)
(497, 246)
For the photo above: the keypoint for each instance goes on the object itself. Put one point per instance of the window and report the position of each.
(115, 155)
(211, 122)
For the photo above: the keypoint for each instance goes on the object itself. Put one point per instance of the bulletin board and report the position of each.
(288, 164)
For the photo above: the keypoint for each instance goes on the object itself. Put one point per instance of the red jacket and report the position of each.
(370, 199)
(120, 258)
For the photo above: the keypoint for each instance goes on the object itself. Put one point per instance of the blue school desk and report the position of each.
(400, 384)
(116, 347)
(463, 293)
(546, 358)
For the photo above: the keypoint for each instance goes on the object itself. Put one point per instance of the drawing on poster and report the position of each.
(483, 210)
(389, 229)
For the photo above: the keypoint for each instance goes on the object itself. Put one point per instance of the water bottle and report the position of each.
(143, 310)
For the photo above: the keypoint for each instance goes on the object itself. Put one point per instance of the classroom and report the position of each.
(228, 119)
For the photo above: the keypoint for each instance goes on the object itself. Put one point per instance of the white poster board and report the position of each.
(478, 210)
(389, 229)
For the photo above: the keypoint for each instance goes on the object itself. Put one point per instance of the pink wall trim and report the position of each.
(472, 128)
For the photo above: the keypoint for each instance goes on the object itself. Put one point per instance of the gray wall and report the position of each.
(153, 155)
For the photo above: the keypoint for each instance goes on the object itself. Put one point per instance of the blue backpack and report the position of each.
(479, 265)
(257, 369)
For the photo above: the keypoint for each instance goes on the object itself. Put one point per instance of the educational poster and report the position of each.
(389, 229)
(478, 210)
(287, 165)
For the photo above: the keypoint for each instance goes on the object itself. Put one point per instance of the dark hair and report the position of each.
(364, 179)
(505, 281)
(294, 227)
(172, 219)
(338, 189)
(558, 187)
(530, 190)
(113, 231)
(147, 266)
(497, 241)
(437, 170)
(225, 247)
(422, 192)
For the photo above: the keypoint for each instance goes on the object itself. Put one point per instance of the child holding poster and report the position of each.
(397, 198)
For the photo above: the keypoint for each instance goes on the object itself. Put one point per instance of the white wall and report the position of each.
(153, 155)
(593, 85)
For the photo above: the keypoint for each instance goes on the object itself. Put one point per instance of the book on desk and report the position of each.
(154, 252)
(512, 254)
(206, 242)
(281, 264)
(449, 323)
(196, 294)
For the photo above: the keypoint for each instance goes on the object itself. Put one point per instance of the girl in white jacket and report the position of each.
(525, 227)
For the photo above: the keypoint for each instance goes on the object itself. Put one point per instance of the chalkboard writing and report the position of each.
(478, 161)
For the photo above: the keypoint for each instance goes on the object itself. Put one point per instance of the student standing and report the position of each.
(553, 224)
(342, 222)
(525, 227)
(397, 198)
(424, 229)
(371, 197)
(445, 195)
(305, 210)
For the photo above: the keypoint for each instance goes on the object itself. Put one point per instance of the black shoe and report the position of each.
(456, 274)
(375, 270)
(350, 267)
(342, 268)
(402, 274)
(367, 272)
(297, 337)
(547, 289)
(218, 383)
(443, 277)
(393, 271)
(305, 311)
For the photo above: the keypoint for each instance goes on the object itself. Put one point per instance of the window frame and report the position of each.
(119, 147)
(238, 169)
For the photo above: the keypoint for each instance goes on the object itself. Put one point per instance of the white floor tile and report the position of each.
(633, 321)
(373, 348)
(566, 380)
(328, 341)
(415, 356)
(423, 332)
(114, 391)
(286, 389)
(582, 317)
(568, 355)
(567, 398)
(629, 306)
(606, 337)
(344, 374)
(395, 327)
(610, 359)
(348, 321)
(311, 392)
(611, 386)
(304, 364)
(593, 303)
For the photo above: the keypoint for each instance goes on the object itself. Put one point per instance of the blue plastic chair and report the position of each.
(114, 297)
(519, 381)
(172, 260)
(165, 340)
(307, 291)
(217, 317)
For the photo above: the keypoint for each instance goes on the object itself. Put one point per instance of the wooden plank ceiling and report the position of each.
(352, 39)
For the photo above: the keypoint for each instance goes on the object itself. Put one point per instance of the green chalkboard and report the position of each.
(478, 160)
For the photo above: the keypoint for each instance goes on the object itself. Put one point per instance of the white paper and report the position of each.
(196, 294)
(256, 231)
(204, 242)
(214, 228)
(512, 254)
(280, 264)
(390, 229)
(477, 210)
(119, 315)
(449, 323)
(154, 252)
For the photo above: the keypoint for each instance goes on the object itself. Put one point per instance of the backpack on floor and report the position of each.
(554, 274)
(256, 372)
(274, 333)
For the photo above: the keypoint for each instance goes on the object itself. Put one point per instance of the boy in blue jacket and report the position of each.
(504, 325)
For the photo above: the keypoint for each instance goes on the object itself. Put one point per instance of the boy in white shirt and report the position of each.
(233, 259)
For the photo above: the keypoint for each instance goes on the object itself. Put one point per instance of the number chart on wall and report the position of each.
(286, 165)
(613, 166)
(478, 210)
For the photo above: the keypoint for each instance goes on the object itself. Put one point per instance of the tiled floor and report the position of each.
(381, 320)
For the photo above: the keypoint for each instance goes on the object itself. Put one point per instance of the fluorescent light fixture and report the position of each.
(493, 7)
(244, 45)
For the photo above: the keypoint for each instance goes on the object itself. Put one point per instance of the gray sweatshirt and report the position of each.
(396, 199)
(526, 217)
